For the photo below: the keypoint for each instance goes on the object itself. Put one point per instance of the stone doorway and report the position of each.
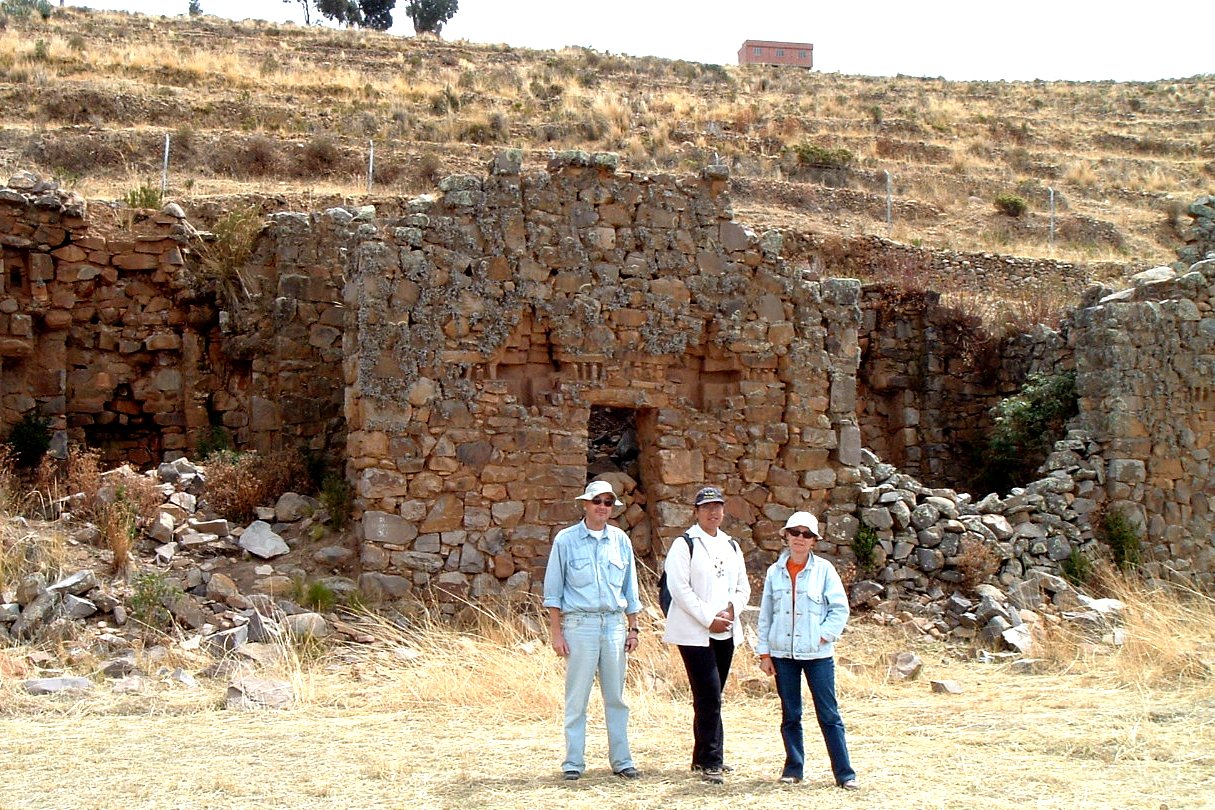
(615, 450)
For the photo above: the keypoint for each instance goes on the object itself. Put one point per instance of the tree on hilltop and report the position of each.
(306, 5)
(429, 15)
(375, 14)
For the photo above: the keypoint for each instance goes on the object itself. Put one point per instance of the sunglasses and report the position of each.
(603, 501)
(800, 533)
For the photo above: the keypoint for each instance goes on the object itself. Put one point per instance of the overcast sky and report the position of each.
(1022, 40)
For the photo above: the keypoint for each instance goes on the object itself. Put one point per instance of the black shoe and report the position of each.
(713, 775)
(571, 776)
(726, 769)
(629, 773)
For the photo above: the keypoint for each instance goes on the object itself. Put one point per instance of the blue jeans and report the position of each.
(820, 675)
(596, 642)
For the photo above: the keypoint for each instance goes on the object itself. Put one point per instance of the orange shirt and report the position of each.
(794, 569)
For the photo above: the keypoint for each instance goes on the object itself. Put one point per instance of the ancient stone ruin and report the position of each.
(456, 352)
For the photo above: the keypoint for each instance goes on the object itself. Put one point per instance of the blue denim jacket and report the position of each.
(792, 628)
(585, 575)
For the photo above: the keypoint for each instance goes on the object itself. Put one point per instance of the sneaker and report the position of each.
(629, 773)
(713, 776)
(571, 776)
(726, 769)
(850, 784)
(790, 780)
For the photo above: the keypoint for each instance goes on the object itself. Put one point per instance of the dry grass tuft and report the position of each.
(238, 483)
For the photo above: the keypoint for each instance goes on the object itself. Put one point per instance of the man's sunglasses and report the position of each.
(800, 533)
(603, 501)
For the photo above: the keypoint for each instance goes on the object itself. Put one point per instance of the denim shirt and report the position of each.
(585, 575)
(793, 627)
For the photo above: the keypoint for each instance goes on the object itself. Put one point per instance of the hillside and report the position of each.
(289, 112)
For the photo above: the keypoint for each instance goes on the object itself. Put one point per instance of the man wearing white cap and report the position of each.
(590, 590)
(801, 615)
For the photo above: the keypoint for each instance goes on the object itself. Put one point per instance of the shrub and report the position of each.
(864, 546)
(239, 483)
(337, 498)
(1123, 540)
(150, 592)
(222, 258)
(145, 196)
(1077, 568)
(314, 594)
(29, 439)
(212, 441)
(1026, 426)
(809, 154)
(976, 561)
(1011, 204)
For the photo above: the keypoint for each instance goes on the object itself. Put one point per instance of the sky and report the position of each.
(1024, 40)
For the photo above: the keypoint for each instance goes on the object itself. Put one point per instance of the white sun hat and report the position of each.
(597, 488)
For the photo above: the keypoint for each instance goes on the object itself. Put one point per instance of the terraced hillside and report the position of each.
(290, 114)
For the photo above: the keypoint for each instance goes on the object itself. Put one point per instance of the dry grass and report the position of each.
(1100, 145)
(238, 483)
(437, 717)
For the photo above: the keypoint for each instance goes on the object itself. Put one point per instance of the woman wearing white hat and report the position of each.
(802, 613)
(590, 590)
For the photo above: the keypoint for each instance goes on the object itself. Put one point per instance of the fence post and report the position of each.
(164, 169)
(889, 204)
(1051, 189)
(370, 162)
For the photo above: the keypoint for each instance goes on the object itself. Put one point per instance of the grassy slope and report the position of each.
(290, 111)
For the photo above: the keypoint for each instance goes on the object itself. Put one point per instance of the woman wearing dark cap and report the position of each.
(707, 578)
(802, 613)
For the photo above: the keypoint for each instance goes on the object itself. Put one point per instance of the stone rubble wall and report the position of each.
(1145, 363)
(1200, 235)
(113, 335)
(488, 321)
(452, 355)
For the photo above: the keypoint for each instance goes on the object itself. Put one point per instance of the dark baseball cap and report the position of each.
(708, 495)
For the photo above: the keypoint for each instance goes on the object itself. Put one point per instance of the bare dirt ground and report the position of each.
(475, 723)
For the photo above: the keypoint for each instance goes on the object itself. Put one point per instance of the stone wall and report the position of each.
(109, 329)
(929, 377)
(1145, 362)
(488, 323)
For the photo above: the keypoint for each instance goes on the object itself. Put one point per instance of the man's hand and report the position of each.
(560, 646)
(765, 665)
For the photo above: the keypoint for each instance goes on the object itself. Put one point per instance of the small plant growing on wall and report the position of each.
(864, 546)
(1123, 540)
(29, 439)
(1026, 426)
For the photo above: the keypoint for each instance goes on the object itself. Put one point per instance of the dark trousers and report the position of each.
(707, 669)
(820, 675)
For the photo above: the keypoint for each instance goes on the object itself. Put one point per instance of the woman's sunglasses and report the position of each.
(800, 533)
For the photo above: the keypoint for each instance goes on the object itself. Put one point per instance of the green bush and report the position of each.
(150, 591)
(1025, 427)
(809, 154)
(29, 439)
(1011, 204)
(314, 594)
(863, 546)
(145, 196)
(337, 498)
(1123, 539)
(1077, 568)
